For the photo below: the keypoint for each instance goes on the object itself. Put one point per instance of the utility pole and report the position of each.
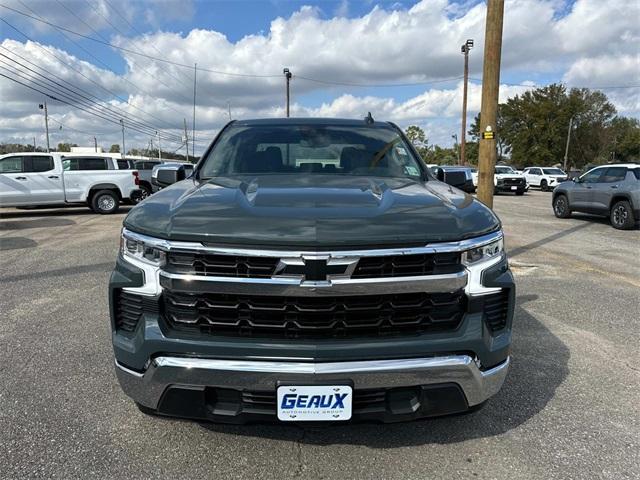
(186, 138)
(34, 144)
(566, 148)
(43, 106)
(159, 147)
(123, 149)
(489, 109)
(287, 76)
(193, 134)
(229, 109)
(95, 144)
(468, 45)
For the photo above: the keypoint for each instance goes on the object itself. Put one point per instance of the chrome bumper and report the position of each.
(147, 388)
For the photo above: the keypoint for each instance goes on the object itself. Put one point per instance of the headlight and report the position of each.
(485, 252)
(135, 248)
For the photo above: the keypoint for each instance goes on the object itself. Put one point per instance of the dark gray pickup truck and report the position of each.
(310, 270)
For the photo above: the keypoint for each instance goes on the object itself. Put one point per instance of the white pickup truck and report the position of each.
(39, 179)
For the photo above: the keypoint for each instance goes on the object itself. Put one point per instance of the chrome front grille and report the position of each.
(196, 263)
(408, 265)
(239, 266)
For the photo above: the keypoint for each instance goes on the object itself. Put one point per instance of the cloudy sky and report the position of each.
(400, 60)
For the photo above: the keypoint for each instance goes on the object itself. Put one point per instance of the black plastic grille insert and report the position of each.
(313, 317)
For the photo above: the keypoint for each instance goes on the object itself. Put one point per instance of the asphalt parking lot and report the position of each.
(569, 407)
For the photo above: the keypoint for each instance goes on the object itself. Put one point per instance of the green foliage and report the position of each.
(415, 133)
(533, 127)
(18, 148)
(624, 138)
(418, 138)
(65, 147)
(115, 148)
(502, 145)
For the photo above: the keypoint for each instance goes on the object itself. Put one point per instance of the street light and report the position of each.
(287, 75)
(468, 45)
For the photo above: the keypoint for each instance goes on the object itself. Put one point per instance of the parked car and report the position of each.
(38, 179)
(187, 168)
(474, 176)
(609, 190)
(545, 178)
(310, 270)
(506, 179)
(457, 176)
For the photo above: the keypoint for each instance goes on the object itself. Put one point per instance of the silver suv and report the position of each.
(609, 190)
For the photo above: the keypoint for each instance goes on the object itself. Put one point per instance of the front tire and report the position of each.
(561, 206)
(544, 186)
(105, 202)
(145, 192)
(621, 216)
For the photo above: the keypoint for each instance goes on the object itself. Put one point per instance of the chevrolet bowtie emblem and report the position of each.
(316, 269)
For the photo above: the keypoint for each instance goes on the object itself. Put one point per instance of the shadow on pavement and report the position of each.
(16, 243)
(543, 241)
(36, 223)
(539, 366)
(60, 272)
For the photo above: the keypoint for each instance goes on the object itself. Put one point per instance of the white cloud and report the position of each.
(588, 43)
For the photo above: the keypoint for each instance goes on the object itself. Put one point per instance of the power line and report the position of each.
(103, 38)
(136, 87)
(62, 61)
(66, 102)
(133, 27)
(134, 52)
(95, 134)
(87, 101)
(606, 87)
(377, 85)
(247, 75)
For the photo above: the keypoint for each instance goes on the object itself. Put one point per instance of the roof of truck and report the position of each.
(313, 121)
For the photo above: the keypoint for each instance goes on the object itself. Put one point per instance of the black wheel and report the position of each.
(622, 216)
(544, 186)
(105, 202)
(145, 192)
(561, 207)
(520, 192)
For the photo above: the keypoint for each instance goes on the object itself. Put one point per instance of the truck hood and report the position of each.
(313, 211)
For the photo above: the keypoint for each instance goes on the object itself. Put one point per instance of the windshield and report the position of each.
(553, 171)
(502, 170)
(310, 149)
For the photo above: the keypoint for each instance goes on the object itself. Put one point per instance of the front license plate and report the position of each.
(314, 403)
(514, 188)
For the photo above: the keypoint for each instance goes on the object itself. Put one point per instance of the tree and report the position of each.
(418, 138)
(503, 147)
(534, 125)
(66, 147)
(17, 148)
(415, 134)
(624, 139)
(115, 148)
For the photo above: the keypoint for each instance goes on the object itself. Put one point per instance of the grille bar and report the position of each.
(496, 310)
(313, 317)
(129, 308)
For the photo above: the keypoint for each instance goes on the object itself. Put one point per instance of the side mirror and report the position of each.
(576, 180)
(166, 176)
(440, 174)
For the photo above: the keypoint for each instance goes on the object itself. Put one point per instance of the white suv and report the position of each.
(543, 177)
